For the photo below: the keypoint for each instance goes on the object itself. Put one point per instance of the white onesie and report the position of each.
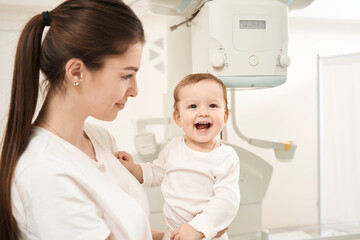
(199, 188)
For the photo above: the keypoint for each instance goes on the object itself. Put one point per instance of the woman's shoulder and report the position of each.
(96, 130)
(46, 154)
(36, 150)
(101, 136)
(39, 161)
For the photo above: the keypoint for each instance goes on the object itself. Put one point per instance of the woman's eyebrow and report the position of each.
(132, 68)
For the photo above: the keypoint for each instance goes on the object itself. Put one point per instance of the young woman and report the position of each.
(59, 178)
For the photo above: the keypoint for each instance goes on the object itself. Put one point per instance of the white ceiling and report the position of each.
(331, 9)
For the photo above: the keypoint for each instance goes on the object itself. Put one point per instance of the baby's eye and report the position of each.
(192, 106)
(213, 106)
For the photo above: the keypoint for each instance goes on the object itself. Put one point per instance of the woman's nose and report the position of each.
(133, 89)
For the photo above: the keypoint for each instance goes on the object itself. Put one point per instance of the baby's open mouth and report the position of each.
(202, 125)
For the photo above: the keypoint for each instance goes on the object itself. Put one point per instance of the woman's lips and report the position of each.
(120, 106)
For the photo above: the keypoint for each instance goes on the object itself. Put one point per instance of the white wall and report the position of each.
(288, 112)
(292, 198)
(339, 105)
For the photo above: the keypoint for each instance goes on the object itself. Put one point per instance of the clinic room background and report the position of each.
(318, 107)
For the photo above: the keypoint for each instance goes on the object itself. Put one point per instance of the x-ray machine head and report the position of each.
(243, 42)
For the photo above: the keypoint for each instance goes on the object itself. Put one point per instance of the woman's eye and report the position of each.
(127, 77)
(212, 106)
(192, 106)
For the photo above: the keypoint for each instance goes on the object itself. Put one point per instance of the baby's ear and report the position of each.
(177, 119)
(226, 116)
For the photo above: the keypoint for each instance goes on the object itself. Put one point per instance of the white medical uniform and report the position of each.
(60, 193)
(199, 188)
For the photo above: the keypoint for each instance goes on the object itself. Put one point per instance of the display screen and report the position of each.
(252, 24)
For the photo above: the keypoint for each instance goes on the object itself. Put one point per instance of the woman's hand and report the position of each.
(186, 232)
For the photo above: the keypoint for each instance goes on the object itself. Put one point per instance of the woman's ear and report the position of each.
(177, 119)
(74, 69)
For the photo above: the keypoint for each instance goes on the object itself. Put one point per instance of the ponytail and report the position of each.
(24, 94)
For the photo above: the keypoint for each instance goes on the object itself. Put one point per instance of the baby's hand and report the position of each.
(126, 160)
(186, 232)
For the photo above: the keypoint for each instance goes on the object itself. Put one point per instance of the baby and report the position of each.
(198, 174)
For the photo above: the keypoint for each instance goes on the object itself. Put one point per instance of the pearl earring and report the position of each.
(75, 83)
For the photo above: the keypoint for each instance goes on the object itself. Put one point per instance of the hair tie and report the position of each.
(45, 18)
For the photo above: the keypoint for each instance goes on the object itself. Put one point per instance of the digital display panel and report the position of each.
(252, 24)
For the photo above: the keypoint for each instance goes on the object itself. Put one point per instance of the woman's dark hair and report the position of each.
(89, 30)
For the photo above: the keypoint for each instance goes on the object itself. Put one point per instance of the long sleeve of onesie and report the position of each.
(153, 173)
(223, 206)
